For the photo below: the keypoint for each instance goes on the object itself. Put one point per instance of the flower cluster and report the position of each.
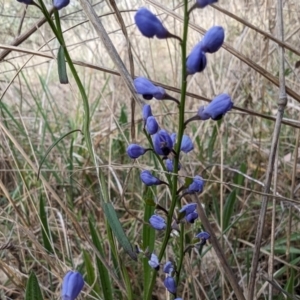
(164, 144)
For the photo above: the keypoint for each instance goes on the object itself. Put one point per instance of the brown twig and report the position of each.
(282, 101)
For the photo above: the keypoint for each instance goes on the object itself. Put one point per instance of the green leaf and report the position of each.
(61, 64)
(33, 291)
(51, 147)
(45, 227)
(228, 208)
(90, 274)
(102, 271)
(117, 229)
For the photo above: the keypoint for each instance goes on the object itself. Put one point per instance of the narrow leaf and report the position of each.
(117, 229)
(61, 64)
(33, 291)
(102, 271)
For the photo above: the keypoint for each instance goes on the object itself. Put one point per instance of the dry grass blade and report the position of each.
(95, 21)
(130, 57)
(282, 101)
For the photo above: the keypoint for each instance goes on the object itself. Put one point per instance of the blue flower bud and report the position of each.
(186, 144)
(153, 262)
(72, 285)
(216, 109)
(213, 39)
(147, 112)
(151, 125)
(169, 165)
(203, 236)
(178, 299)
(168, 268)
(196, 186)
(28, 2)
(149, 179)
(170, 284)
(188, 208)
(203, 3)
(146, 88)
(59, 4)
(162, 143)
(191, 217)
(196, 61)
(135, 151)
(157, 222)
(149, 25)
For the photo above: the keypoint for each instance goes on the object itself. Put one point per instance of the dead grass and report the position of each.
(37, 114)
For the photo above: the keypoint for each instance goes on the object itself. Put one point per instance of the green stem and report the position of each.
(176, 160)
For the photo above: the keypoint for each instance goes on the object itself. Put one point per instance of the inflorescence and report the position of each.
(163, 143)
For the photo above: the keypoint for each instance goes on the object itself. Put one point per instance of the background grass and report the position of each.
(36, 233)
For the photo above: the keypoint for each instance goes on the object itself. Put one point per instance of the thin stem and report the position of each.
(176, 160)
(282, 101)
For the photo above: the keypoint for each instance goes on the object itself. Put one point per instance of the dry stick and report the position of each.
(282, 101)
(131, 64)
(219, 252)
(96, 22)
(289, 223)
(271, 257)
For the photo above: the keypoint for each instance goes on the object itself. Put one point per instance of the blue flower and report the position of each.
(149, 179)
(153, 262)
(186, 143)
(216, 109)
(191, 217)
(147, 112)
(162, 143)
(135, 151)
(28, 2)
(178, 299)
(196, 186)
(146, 88)
(188, 208)
(72, 285)
(169, 165)
(168, 268)
(157, 222)
(203, 3)
(196, 61)
(151, 125)
(59, 4)
(203, 236)
(213, 39)
(149, 25)
(170, 284)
